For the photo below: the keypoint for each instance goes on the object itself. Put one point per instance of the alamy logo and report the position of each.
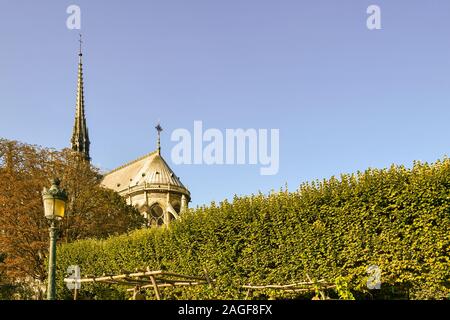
(236, 146)
(74, 20)
(374, 20)
(374, 281)
(73, 279)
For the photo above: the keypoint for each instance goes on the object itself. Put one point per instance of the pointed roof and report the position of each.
(150, 171)
(80, 135)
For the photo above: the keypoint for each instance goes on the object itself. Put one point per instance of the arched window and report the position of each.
(156, 215)
(176, 206)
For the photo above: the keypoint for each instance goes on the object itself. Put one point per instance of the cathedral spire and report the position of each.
(158, 143)
(80, 136)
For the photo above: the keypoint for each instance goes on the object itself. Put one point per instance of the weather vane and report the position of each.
(159, 129)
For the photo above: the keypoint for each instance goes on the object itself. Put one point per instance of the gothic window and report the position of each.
(156, 215)
(176, 207)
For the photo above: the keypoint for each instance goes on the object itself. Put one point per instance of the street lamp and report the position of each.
(55, 200)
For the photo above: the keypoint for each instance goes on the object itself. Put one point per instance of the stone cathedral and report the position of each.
(147, 183)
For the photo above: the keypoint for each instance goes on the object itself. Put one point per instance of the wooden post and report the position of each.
(248, 294)
(155, 286)
(208, 279)
(324, 297)
(75, 293)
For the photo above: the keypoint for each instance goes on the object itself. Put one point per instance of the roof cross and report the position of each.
(159, 129)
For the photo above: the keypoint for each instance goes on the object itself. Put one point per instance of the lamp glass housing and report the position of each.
(60, 208)
(54, 201)
(54, 208)
(49, 207)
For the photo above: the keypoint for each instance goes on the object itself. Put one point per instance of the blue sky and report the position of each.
(344, 98)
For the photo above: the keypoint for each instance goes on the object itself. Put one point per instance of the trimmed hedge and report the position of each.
(396, 218)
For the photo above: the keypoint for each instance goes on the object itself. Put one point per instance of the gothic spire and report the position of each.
(80, 136)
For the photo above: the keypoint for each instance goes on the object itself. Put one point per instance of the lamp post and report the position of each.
(55, 200)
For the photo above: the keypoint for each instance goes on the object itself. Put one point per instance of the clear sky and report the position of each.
(344, 98)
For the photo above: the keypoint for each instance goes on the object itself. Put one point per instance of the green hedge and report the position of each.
(396, 218)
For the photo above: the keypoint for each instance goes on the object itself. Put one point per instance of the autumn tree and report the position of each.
(92, 211)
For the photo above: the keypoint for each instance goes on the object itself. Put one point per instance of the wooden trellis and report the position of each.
(141, 280)
(305, 286)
